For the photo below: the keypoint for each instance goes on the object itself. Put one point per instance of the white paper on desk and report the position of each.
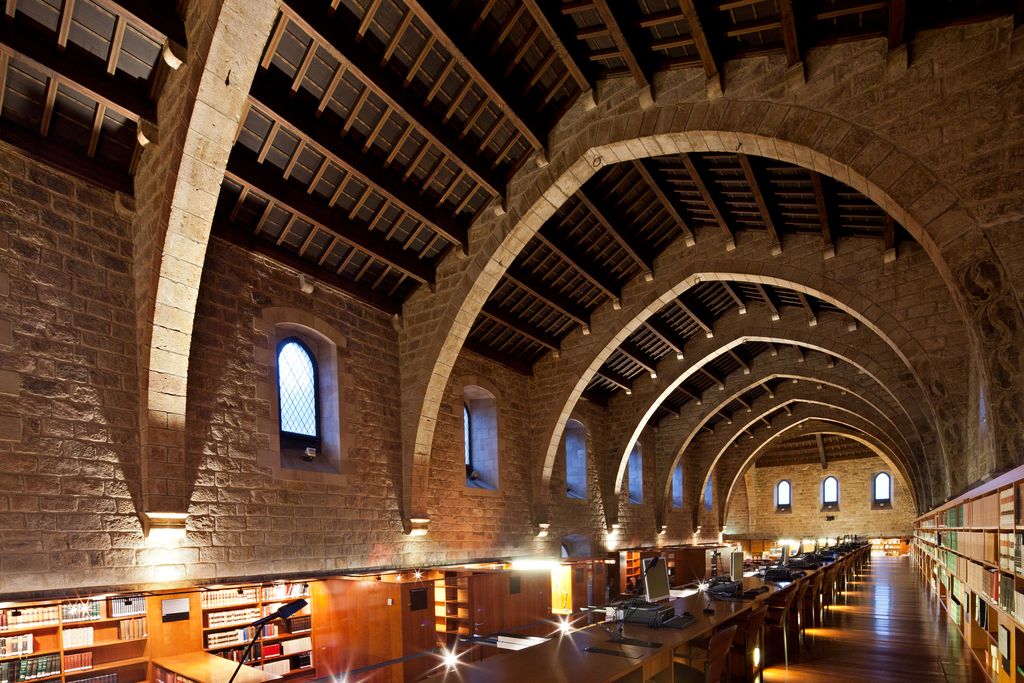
(682, 592)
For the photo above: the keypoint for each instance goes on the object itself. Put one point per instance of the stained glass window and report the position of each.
(297, 389)
(883, 488)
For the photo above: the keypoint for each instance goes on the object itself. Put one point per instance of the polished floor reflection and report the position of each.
(888, 630)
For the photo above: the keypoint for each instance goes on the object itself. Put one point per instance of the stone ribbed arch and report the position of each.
(678, 434)
(716, 451)
(812, 129)
(859, 347)
(177, 185)
(824, 425)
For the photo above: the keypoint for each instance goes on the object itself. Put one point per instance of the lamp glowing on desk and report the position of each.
(283, 612)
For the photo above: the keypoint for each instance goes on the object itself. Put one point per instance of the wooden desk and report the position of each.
(564, 658)
(203, 667)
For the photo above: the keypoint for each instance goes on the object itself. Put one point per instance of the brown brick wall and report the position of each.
(807, 520)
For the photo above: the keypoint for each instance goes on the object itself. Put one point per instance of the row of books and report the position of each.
(12, 646)
(236, 654)
(285, 591)
(131, 629)
(284, 666)
(227, 597)
(165, 676)
(78, 637)
(231, 617)
(105, 678)
(236, 636)
(30, 668)
(128, 607)
(27, 617)
(80, 661)
(81, 611)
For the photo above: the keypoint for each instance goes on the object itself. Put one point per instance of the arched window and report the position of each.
(677, 486)
(480, 437)
(298, 393)
(709, 494)
(783, 496)
(882, 489)
(575, 460)
(636, 476)
(830, 492)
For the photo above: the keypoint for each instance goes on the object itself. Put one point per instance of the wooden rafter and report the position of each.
(703, 323)
(768, 217)
(697, 178)
(740, 361)
(343, 44)
(667, 335)
(533, 285)
(570, 57)
(741, 305)
(245, 170)
(889, 239)
(812, 313)
(790, 35)
(701, 39)
(475, 63)
(619, 380)
(769, 300)
(768, 390)
(509, 362)
(661, 192)
(821, 451)
(684, 390)
(896, 29)
(121, 93)
(626, 241)
(531, 332)
(268, 94)
(638, 356)
(158, 20)
(628, 45)
(824, 214)
(712, 376)
(580, 263)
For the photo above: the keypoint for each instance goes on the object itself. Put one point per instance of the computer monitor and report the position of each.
(656, 579)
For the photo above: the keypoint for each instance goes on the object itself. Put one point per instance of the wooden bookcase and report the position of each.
(969, 552)
(452, 606)
(75, 641)
(285, 646)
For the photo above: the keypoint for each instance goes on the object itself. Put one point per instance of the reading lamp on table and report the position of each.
(283, 612)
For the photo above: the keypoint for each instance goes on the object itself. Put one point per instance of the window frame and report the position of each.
(881, 503)
(639, 498)
(784, 507)
(570, 493)
(467, 437)
(826, 504)
(293, 439)
(681, 480)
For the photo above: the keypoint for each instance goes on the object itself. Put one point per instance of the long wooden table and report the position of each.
(565, 659)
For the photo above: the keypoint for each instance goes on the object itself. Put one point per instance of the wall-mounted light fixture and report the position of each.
(542, 529)
(418, 526)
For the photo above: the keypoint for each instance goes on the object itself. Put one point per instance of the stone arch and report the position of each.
(200, 111)
(841, 381)
(857, 348)
(818, 425)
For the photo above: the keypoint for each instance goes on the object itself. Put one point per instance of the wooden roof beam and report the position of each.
(791, 37)
(268, 93)
(696, 398)
(661, 192)
(531, 332)
(821, 451)
(702, 41)
(825, 217)
(472, 60)
(744, 403)
(342, 42)
(533, 285)
(244, 169)
(693, 169)
(769, 300)
(734, 294)
(702, 323)
(739, 359)
(812, 313)
(620, 381)
(768, 390)
(896, 29)
(570, 56)
(768, 215)
(638, 356)
(627, 242)
(582, 265)
(121, 93)
(667, 335)
(628, 44)
(720, 381)
(889, 240)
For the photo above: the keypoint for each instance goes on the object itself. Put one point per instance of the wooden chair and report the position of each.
(706, 665)
(778, 617)
(796, 614)
(811, 606)
(750, 630)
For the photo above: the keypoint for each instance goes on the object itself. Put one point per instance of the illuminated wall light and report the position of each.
(534, 564)
(542, 530)
(418, 526)
(419, 531)
(164, 528)
(757, 658)
(417, 574)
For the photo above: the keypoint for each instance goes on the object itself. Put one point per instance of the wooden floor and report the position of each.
(888, 631)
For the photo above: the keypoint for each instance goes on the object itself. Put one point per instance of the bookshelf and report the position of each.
(451, 606)
(285, 646)
(890, 547)
(83, 641)
(969, 553)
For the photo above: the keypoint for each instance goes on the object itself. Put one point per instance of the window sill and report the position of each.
(478, 491)
(784, 511)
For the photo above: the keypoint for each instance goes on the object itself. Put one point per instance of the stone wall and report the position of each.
(807, 520)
